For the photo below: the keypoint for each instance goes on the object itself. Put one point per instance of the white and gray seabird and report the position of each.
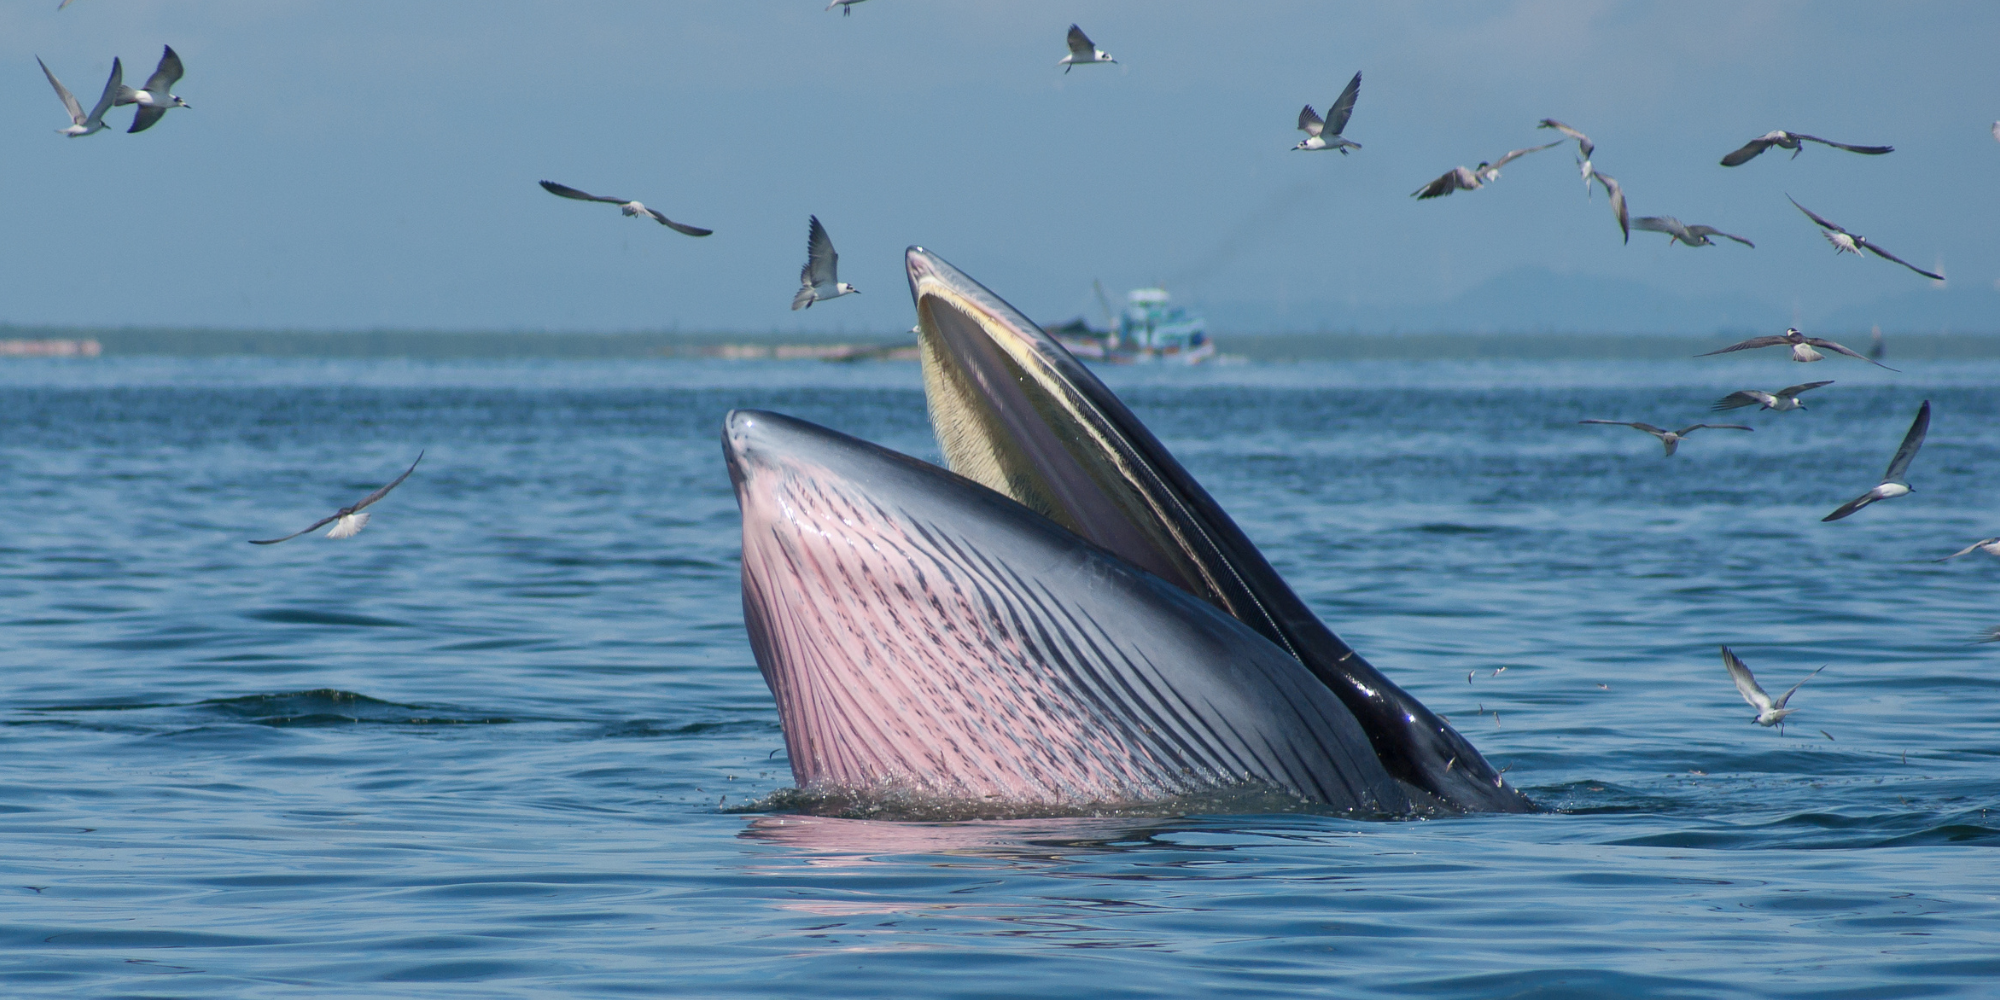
(820, 280)
(156, 97)
(846, 6)
(1324, 133)
(1770, 711)
(1472, 179)
(1990, 546)
(1670, 439)
(1677, 232)
(1584, 147)
(1846, 242)
(1893, 484)
(626, 206)
(347, 521)
(1781, 401)
(1082, 51)
(1801, 345)
(1793, 141)
(80, 123)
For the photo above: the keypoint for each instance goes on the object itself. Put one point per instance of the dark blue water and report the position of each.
(496, 745)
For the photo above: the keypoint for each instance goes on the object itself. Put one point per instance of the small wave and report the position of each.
(331, 707)
(314, 616)
(1449, 528)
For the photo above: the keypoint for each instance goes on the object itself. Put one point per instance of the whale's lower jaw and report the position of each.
(923, 634)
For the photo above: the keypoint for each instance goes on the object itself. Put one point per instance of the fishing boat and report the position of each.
(1150, 328)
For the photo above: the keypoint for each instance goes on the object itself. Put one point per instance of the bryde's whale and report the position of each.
(925, 635)
(1071, 622)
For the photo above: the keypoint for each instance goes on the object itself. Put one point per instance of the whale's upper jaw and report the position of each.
(923, 635)
(1016, 412)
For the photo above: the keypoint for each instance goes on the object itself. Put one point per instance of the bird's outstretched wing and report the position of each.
(1310, 122)
(1648, 428)
(1968, 549)
(1661, 224)
(166, 74)
(1738, 400)
(1749, 345)
(1691, 428)
(679, 227)
(384, 491)
(822, 264)
(1787, 696)
(1455, 179)
(112, 85)
(1080, 45)
(1838, 349)
(1869, 150)
(1342, 107)
(1746, 682)
(1886, 255)
(146, 117)
(1912, 441)
(1749, 151)
(1810, 214)
(1793, 390)
(68, 99)
(1583, 143)
(1616, 195)
(1712, 231)
(563, 191)
(1851, 506)
(1515, 154)
(315, 526)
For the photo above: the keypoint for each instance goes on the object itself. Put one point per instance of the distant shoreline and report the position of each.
(447, 345)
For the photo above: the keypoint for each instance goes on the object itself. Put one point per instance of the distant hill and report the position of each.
(1537, 300)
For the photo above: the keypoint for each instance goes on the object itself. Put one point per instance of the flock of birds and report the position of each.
(819, 278)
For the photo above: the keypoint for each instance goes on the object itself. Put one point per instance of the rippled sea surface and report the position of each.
(502, 743)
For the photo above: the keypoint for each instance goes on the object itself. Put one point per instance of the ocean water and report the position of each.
(510, 741)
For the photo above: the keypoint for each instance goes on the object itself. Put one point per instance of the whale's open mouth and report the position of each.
(1015, 411)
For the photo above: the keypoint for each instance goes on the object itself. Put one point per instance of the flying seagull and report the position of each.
(846, 6)
(1875, 348)
(1802, 347)
(1325, 133)
(155, 99)
(1694, 236)
(1990, 546)
(80, 123)
(1899, 467)
(632, 208)
(820, 280)
(1616, 195)
(1846, 242)
(1082, 51)
(1460, 178)
(1794, 142)
(1671, 439)
(1584, 147)
(1769, 712)
(1782, 400)
(347, 521)
(1996, 131)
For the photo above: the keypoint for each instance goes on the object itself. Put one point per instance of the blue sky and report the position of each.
(360, 164)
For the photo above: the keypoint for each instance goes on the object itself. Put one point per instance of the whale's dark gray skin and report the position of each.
(1016, 411)
(923, 634)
